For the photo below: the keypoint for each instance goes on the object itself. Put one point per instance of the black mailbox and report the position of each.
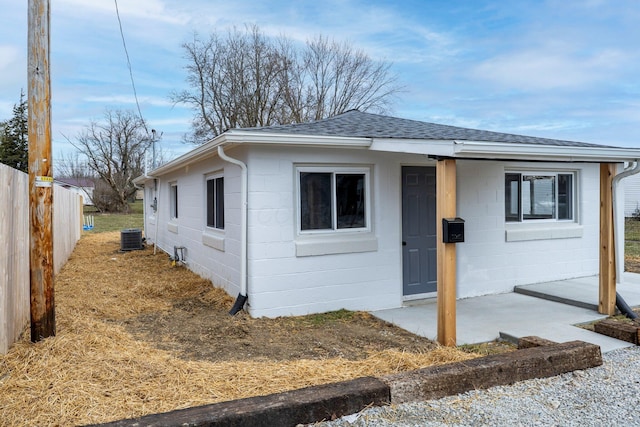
(452, 230)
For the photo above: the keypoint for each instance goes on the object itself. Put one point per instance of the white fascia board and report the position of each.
(496, 150)
(295, 139)
(506, 151)
(141, 180)
(429, 147)
(210, 148)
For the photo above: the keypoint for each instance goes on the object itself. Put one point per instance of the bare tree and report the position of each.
(342, 78)
(74, 168)
(115, 151)
(234, 82)
(246, 79)
(156, 155)
(73, 165)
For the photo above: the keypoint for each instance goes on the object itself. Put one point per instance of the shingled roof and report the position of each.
(395, 135)
(357, 124)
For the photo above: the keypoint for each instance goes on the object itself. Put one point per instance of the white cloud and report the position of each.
(130, 100)
(10, 54)
(12, 71)
(178, 120)
(144, 10)
(549, 68)
(6, 110)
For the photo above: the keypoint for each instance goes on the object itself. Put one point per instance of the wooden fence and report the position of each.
(14, 246)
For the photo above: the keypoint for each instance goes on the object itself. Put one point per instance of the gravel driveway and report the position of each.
(605, 396)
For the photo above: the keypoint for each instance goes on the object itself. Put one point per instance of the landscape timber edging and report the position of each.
(533, 341)
(302, 406)
(330, 401)
(620, 330)
(435, 382)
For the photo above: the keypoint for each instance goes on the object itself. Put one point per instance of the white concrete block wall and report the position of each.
(222, 267)
(487, 263)
(282, 283)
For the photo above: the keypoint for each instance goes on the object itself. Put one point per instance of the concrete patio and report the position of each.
(549, 310)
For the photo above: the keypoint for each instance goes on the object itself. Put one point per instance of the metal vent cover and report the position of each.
(131, 239)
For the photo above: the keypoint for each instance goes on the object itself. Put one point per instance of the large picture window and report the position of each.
(215, 202)
(333, 200)
(539, 196)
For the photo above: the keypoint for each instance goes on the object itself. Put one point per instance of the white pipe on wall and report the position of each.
(243, 218)
(156, 192)
(618, 244)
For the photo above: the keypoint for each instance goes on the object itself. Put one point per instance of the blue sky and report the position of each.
(566, 69)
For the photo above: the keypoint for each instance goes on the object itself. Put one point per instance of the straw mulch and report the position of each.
(632, 263)
(95, 371)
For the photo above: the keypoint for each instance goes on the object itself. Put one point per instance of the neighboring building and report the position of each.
(341, 213)
(632, 196)
(82, 186)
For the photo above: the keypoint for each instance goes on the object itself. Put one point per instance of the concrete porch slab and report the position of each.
(583, 291)
(513, 315)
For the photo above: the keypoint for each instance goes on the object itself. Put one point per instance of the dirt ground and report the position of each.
(632, 264)
(197, 326)
(202, 330)
(136, 335)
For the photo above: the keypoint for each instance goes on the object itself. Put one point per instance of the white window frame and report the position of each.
(173, 201)
(335, 170)
(214, 177)
(549, 173)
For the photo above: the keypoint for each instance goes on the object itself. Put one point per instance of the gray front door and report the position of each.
(419, 259)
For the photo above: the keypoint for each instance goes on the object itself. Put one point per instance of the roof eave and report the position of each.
(210, 148)
(446, 148)
(429, 147)
(510, 151)
(256, 137)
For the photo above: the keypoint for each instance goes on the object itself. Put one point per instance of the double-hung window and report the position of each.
(333, 199)
(215, 202)
(536, 196)
(173, 200)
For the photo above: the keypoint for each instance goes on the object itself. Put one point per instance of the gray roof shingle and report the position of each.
(355, 123)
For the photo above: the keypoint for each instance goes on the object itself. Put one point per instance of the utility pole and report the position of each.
(43, 322)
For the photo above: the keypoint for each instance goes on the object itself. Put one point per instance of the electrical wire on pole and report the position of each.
(153, 135)
(126, 52)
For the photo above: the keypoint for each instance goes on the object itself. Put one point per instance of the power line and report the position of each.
(133, 85)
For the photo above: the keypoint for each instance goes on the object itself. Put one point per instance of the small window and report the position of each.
(333, 200)
(565, 196)
(173, 200)
(215, 202)
(512, 197)
(539, 196)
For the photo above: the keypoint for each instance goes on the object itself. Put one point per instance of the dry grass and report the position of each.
(94, 371)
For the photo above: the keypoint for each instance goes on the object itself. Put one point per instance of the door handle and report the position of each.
(404, 243)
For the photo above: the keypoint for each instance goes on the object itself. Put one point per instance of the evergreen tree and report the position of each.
(14, 138)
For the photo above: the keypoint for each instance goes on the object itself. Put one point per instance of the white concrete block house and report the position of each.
(341, 213)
